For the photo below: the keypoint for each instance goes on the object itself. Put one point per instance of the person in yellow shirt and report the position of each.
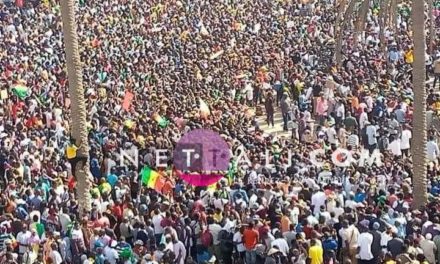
(71, 155)
(218, 216)
(409, 56)
(316, 252)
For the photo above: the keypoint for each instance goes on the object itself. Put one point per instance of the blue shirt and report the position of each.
(112, 179)
(359, 197)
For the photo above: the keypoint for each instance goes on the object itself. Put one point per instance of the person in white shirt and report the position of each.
(249, 92)
(365, 241)
(179, 250)
(429, 248)
(56, 256)
(395, 146)
(332, 135)
(238, 242)
(23, 240)
(385, 238)
(110, 253)
(405, 143)
(363, 119)
(371, 132)
(350, 234)
(214, 229)
(318, 199)
(281, 243)
(432, 149)
(158, 229)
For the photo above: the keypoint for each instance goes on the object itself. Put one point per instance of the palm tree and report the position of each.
(432, 32)
(383, 18)
(78, 104)
(341, 28)
(419, 144)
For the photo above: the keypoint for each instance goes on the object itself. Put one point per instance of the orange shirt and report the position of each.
(285, 224)
(354, 102)
(250, 238)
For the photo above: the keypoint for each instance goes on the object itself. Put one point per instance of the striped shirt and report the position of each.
(3, 238)
(353, 140)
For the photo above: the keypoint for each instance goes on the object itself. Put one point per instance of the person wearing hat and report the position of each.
(274, 256)
(429, 248)
(376, 248)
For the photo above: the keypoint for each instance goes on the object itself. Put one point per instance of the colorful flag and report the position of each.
(152, 179)
(161, 121)
(20, 91)
(204, 109)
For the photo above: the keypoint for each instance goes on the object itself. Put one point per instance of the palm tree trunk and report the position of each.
(393, 15)
(341, 8)
(362, 17)
(432, 32)
(383, 17)
(78, 104)
(342, 28)
(419, 120)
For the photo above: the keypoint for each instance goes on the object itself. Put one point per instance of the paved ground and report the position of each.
(278, 120)
(277, 129)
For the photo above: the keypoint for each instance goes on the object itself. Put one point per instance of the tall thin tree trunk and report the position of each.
(383, 17)
(342, 28)
(341, 9)
(361, 19)
(393, 15)
(418, 146)
(432, 33)
(78, 113)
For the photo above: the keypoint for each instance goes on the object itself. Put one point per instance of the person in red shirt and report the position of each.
(250, 240)
(117, 210)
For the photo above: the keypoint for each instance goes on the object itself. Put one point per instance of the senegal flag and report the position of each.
(152, 179)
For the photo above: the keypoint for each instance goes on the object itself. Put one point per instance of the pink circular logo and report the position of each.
(203, 157)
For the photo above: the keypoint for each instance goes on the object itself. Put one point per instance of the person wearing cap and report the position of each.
(429, 248)
(376, 248)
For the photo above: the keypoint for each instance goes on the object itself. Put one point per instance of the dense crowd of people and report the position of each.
(245, 60)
